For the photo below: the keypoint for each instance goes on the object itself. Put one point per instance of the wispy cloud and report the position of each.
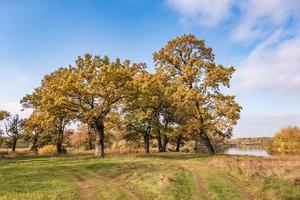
(273, 65)
(259, 18)
(204, 12)
(253, 19)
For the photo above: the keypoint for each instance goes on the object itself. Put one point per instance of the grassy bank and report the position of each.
(158, 176)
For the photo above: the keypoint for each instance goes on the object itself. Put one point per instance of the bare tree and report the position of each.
(14, 129)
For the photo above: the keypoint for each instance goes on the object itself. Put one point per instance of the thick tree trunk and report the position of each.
(59, 141)
(159, 142)
(90, 142)
(204, 137)
(165, 138)
(165, 142)
(59, 147)
(34, 144)
(146, 143)
(178, 143)
(14, 145)
(99, 145)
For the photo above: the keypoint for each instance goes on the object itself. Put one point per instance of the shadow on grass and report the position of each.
(87, 156)
(175, 156)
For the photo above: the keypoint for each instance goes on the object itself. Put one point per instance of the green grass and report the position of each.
(159, 176)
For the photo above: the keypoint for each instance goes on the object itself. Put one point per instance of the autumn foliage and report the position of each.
(287, 140)
(181, 100)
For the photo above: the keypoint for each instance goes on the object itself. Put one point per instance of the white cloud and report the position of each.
(260, 18)
(273, 65)
(205, 12)
(253, 19)
(256, 125)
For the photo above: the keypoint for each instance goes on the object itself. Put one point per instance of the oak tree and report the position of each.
(90, 90)
(50, 117)
(190, 65)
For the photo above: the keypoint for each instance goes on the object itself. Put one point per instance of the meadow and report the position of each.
(155, 176)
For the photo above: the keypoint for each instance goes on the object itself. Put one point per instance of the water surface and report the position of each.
(250, 151)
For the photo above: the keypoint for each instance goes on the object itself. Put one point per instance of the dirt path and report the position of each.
(201, 190)
(239, 187)
(87, 188)
(121, 186)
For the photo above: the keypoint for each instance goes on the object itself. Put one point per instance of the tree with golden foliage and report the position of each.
(138, 113)
(33, 130)
(287, 140)
(4, 114)
(46, 114)
(83, 137)
(88, 92)
(191, 67)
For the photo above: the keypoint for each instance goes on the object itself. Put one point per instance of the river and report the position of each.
(246, 150)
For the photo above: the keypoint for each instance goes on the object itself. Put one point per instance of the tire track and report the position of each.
(87, 188)
(121, 186)
(201, 190)
(239, 187)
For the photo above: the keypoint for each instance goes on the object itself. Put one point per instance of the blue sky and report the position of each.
(36, 37)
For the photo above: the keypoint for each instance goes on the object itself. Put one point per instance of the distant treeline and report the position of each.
(264, 141)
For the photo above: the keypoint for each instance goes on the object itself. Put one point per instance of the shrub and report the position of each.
(287, 140)
(3, 153)
(122, 146)
(48, 149)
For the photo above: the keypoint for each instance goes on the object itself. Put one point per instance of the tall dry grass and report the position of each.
(19, 152)
(286, 167)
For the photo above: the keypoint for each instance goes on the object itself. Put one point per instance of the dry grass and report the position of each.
(47, 150)
(286, 167)
(19, 152)
(270, 178)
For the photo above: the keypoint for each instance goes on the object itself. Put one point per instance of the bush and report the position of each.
(287, 140)
(122, 146)
(3, 153)
(48, 149)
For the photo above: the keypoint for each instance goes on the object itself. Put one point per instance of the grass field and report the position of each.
(164, 176)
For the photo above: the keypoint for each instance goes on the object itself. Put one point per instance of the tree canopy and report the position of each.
(181, 99)
(190, 65)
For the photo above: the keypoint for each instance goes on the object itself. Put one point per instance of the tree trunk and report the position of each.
(178, 143)
(59, 147)
(14, 145)
(207, 143)
(90, 142)
(204, 137)
(59, 141)
(99, 145)
(146, 143)
(165, 137)
(159, 142)
(165, 142)
(34, 143)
